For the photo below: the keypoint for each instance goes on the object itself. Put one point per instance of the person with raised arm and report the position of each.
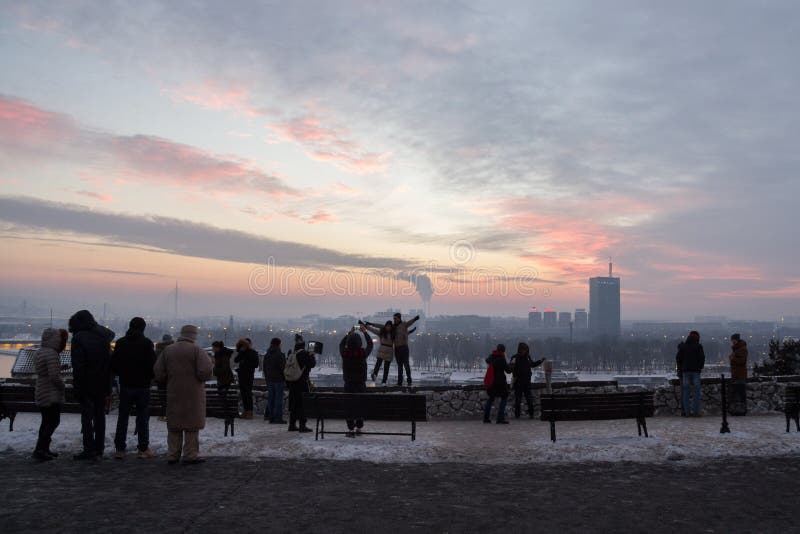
(354, 370)
(401, 351)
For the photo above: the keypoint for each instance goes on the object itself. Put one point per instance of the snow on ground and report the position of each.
(523, 441)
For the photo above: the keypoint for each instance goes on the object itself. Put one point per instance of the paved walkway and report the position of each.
(282, 495)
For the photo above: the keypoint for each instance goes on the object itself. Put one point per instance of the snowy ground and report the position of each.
(523, 441)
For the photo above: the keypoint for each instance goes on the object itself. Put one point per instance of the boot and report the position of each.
(41, 456)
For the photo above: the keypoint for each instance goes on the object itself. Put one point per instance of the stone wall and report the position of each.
(467, 402)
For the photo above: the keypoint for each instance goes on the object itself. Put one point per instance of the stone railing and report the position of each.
(764, 395)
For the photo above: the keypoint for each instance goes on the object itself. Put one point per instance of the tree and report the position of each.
(783, 359)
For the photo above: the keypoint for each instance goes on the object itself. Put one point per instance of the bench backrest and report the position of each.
(792, 395)
(23, 398)
(214, 403)
(370, 406)
(597, 406)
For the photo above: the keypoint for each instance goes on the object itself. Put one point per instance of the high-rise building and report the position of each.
(564, 319)
(604, 305)
(581, 319)
(550, 318)
(534, 318)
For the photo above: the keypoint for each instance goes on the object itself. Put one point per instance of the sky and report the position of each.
(285, 158)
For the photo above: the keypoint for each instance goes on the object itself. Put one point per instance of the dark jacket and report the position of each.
(274, 362)
(738, 359)
(248, 363)
(354, 360)
(691, 357)
(501, 367)
(133, 360)
(91, 355)
(222, 367)
(522, 369)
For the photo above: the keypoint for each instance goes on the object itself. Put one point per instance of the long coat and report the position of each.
(185, 367)
(49, 385)
(738, 360)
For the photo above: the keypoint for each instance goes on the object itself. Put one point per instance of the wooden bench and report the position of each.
(15, 398)
(791, 406)
(226, 408)
(597, 407)
(367, 406)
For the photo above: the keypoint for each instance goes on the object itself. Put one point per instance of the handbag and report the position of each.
(488, 378)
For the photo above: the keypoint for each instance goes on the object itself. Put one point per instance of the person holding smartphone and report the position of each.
(522, 370)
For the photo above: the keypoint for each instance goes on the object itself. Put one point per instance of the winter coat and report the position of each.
(401, 332)
(274, 362)
(222, 367)
(185, 367)
(522, 369)
(133, 360)
(354, 361)
(306, 361)
(738, 360)
(248, 363)
(161, 345)
(386, 346)
(91, 355)
(49, 385)
(691, 357)
(501, 367)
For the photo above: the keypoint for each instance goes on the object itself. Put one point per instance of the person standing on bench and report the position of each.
(133, 361)
(499, 387)
(247, 358)
(354, 370)
(385, 354)
(691, 359)
(49, 389)
(274, 362)
(298, 366)
(91, 379)
(185, 367)
(521, 366)
(401, 351)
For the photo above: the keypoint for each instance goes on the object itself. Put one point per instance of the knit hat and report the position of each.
(299, 342)
(736, 337)
(166, 337)
(189, 332)
(137, 323)
(275, 341)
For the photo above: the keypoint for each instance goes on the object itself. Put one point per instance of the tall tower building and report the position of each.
(550, 318)
(604, 304)
(534, 318)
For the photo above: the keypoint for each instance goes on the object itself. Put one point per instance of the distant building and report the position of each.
(550, 318)
(581, 319)
(534, 318)
(564, 319)
(604, 305)
(463, 324)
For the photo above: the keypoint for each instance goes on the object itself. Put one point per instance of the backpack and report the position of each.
(292, 372)
(488, 378)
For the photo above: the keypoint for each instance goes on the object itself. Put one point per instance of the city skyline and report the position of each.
(282, 160)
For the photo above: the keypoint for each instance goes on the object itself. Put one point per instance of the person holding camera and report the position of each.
(354, 370)
(298, 366)
(522, 370)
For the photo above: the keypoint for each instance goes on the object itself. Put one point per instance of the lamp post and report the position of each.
(724, 429)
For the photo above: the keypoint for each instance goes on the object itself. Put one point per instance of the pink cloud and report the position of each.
(331, 144)
(217, 96)
(321, 216)
(23, 123)
(95, 195)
